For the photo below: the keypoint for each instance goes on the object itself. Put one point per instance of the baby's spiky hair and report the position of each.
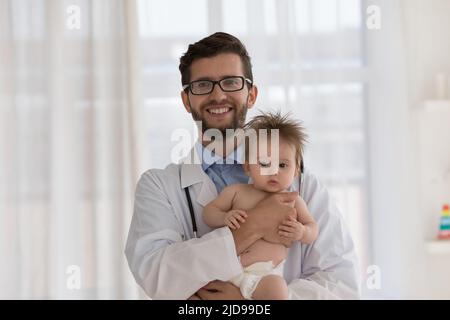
(289, 129)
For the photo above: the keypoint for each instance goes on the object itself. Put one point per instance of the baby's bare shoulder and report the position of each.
(241, 191)
(238, 187)
(246, 197)
(232, 189)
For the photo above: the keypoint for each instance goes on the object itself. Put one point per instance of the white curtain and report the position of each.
(69, 141)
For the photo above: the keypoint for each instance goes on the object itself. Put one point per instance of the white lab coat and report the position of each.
(169, 263)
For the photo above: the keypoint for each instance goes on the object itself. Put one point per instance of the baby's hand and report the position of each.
(292, 229)
(233, 217)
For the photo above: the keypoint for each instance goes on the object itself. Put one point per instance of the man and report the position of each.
(166, 258)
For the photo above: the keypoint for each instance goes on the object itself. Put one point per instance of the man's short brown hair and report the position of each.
(219, 42)
(289, 130)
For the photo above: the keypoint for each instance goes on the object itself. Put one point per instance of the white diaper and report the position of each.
(248, 280)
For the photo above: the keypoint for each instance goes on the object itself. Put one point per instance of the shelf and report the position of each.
(436, 104)
(438, 246)
(437, 101)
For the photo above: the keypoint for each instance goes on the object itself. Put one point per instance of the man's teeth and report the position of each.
(219, 110)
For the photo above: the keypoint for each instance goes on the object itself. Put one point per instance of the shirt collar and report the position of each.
(209, 158)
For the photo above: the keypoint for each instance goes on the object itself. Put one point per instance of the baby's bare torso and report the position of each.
(246, 199)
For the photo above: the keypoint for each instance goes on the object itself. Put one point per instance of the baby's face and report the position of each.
(272, 174)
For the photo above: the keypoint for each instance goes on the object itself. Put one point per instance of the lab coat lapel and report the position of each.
(208, 192)
(191, 174)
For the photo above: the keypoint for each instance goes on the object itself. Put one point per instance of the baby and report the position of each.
(262, 277)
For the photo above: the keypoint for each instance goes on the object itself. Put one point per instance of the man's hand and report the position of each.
(273, 211)
(291, 229)
(263, 220)
(219, 290)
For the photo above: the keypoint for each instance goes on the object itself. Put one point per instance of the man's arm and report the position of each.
(161, 262)
(263, 221)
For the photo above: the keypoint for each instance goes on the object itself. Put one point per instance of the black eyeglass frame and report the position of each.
(189, 85)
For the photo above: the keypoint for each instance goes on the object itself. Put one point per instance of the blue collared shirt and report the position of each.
(223, 172)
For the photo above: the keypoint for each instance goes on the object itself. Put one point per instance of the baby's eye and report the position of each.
(264, 164)
(283, 165)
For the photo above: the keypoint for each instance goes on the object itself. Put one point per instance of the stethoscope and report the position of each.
(191, 208)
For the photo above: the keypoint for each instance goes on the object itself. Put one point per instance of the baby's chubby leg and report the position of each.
(271, 287)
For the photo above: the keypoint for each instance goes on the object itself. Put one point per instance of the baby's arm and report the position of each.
(218, 212)
(304, 229)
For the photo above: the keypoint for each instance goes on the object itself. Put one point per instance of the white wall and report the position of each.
(428, 42)
(415, 44)
(427, 30)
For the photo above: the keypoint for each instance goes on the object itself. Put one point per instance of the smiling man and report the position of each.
(216, 95)
(173, 254)
(217, 82)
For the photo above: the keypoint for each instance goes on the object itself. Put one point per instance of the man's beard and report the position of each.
(237, 121)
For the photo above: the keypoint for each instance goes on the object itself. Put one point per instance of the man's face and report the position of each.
(218, 109)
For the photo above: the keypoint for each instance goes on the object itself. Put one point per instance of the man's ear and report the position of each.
(252, 95)
(185, 99)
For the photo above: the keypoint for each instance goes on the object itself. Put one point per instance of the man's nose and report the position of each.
(217, 93)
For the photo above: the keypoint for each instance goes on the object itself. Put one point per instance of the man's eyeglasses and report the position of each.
(228, 84)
